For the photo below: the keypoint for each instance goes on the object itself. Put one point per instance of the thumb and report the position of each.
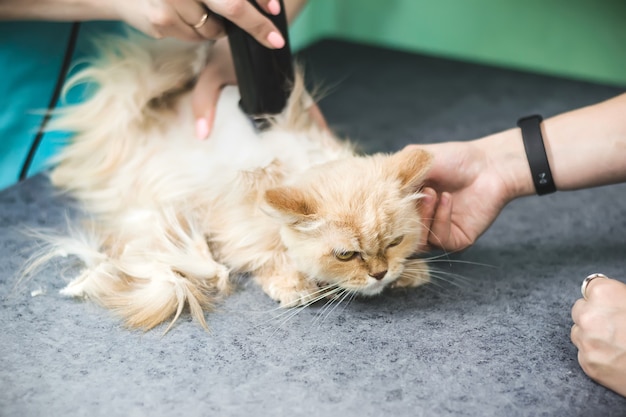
(439, 236)
(426, 209)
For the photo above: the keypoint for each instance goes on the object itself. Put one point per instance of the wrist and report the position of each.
(97, 10)
(506, 158)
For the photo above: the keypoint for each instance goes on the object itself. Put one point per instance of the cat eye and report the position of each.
(345, 256)
(396, 241)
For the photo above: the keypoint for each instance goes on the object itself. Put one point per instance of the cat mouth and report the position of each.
(373, 289)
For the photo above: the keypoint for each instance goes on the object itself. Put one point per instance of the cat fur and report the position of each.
(170, 218)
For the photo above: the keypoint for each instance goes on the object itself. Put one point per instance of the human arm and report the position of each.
(475, 180)
(599, 333)
(156, 18)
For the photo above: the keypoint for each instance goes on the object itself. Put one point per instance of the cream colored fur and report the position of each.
(171, 217)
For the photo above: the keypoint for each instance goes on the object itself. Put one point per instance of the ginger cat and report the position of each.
(171, 217)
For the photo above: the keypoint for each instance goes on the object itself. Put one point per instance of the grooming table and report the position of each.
(492, 339)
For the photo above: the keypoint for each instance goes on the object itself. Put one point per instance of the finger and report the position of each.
(177, 28)
(213, 29)
(427, 206)
(577, 310)
(247, 17)
(600, 288)
(183, 32)
(209, 27)
(575, 335)
(167, 22)
(204, 101)
(270, 6)
(200, 19)
(440, 229)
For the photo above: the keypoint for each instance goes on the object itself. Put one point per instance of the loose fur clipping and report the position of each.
(171, 217)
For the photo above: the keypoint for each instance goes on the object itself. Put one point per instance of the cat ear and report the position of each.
(293, 206)
(410, 166)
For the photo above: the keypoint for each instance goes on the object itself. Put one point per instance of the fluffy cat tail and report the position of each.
(146, 275)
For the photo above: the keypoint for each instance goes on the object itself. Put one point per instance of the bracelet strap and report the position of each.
(536, 154)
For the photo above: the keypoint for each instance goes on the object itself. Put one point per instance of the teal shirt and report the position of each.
(31, 57)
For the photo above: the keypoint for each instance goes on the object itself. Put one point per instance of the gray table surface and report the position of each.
(490, 340)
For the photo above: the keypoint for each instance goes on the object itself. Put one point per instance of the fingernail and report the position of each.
(202, 129)
(276, 40)
(274, 7)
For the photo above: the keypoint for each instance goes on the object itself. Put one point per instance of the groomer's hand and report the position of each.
(463, 195)
(183, 19)
(599, 333)
(469, 184)
(195, 20)
(218, 73)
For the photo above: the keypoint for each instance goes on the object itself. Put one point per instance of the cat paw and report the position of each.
(292, 295)
(419, 276)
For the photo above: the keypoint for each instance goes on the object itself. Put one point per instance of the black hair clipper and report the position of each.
(265, 76)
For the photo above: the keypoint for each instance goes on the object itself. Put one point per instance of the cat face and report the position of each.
(353, 222)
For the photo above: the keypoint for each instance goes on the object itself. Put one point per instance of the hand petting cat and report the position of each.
(197, 20)
(460, 203)
(474, 180)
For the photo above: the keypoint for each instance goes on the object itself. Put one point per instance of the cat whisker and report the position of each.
(332, 292)
(321, 293)
(326, 306)
(445, 281)
(430, 231)
(446, 254)
(343, 296)
(352, 297)
(292, 312)
(329, 304)
(332, 300)
(288, 314)
(438, 278)
(437, 258)
(457, 280)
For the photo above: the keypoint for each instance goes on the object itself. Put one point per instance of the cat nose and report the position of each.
(379, 275)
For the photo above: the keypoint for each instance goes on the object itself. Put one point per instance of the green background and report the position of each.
(581, 39)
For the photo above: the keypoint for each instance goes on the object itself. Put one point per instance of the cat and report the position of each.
(171, 218)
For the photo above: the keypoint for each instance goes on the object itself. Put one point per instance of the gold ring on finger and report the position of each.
(202, 21)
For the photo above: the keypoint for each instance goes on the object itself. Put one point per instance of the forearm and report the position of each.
(585, 148)
(55, 10)
(71, 10)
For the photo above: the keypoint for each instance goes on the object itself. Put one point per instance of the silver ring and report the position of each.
(202, 21)
(586, 281)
